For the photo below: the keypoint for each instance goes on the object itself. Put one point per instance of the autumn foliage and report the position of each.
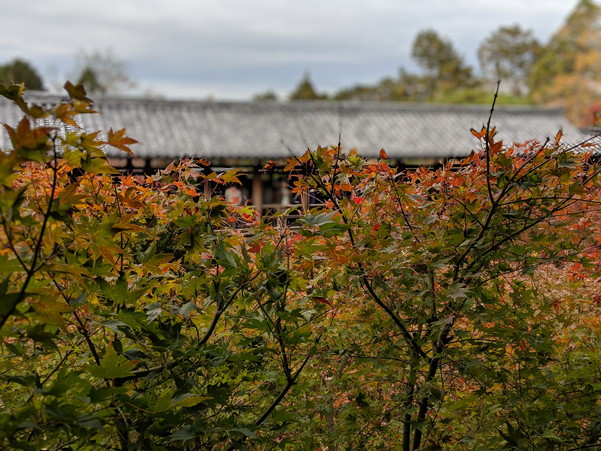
(455, 308)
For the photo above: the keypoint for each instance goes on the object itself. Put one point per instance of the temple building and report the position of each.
(247, 134)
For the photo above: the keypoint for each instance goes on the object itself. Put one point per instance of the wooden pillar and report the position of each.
(257, 191)
(129, 166)
(305, 201)
(206, 185)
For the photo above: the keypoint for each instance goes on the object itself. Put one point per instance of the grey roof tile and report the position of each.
(213, 130)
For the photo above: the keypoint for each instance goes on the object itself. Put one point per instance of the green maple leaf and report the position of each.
(112, 366)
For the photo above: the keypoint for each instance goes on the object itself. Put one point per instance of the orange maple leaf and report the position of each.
(120, 141)
(190, 191)
(268, 166)
(479, 134)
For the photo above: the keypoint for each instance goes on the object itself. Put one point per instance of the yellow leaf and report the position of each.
(120, 141)
(190, 400)
(77, 92)
(558, 137)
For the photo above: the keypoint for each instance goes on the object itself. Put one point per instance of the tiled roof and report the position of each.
(172, 129)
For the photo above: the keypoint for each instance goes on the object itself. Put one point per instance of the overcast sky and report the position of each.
(232, 49)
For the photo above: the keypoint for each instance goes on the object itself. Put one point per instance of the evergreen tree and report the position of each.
(306, 91)
(20, 71)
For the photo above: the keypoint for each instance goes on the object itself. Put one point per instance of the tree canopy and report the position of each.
(568, 72)
(20, 71)
(508, 54)
(563, 72)
(306, 91)
(267, 96)
(101, 72)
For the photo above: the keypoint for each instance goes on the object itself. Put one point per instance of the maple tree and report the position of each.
(129, 307)
(440, 261)
(567, 72)
(453, 308)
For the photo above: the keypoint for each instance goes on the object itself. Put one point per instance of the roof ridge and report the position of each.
(333, 105)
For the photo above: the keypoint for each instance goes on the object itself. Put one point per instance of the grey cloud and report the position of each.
(238, 42)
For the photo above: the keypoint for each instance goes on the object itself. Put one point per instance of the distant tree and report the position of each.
(357, 92)
(568, 72)
(387, 89)
(432, 52)
(89, 78)
(267, 96)
(445, 69)
(390, 89)
(508, 55)
(306, 91)
(410, 87)
(20, 71)
(407, 87)
(102, 72)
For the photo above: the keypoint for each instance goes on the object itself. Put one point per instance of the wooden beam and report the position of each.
(257, 191)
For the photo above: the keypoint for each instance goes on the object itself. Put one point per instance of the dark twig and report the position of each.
(38, 246)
